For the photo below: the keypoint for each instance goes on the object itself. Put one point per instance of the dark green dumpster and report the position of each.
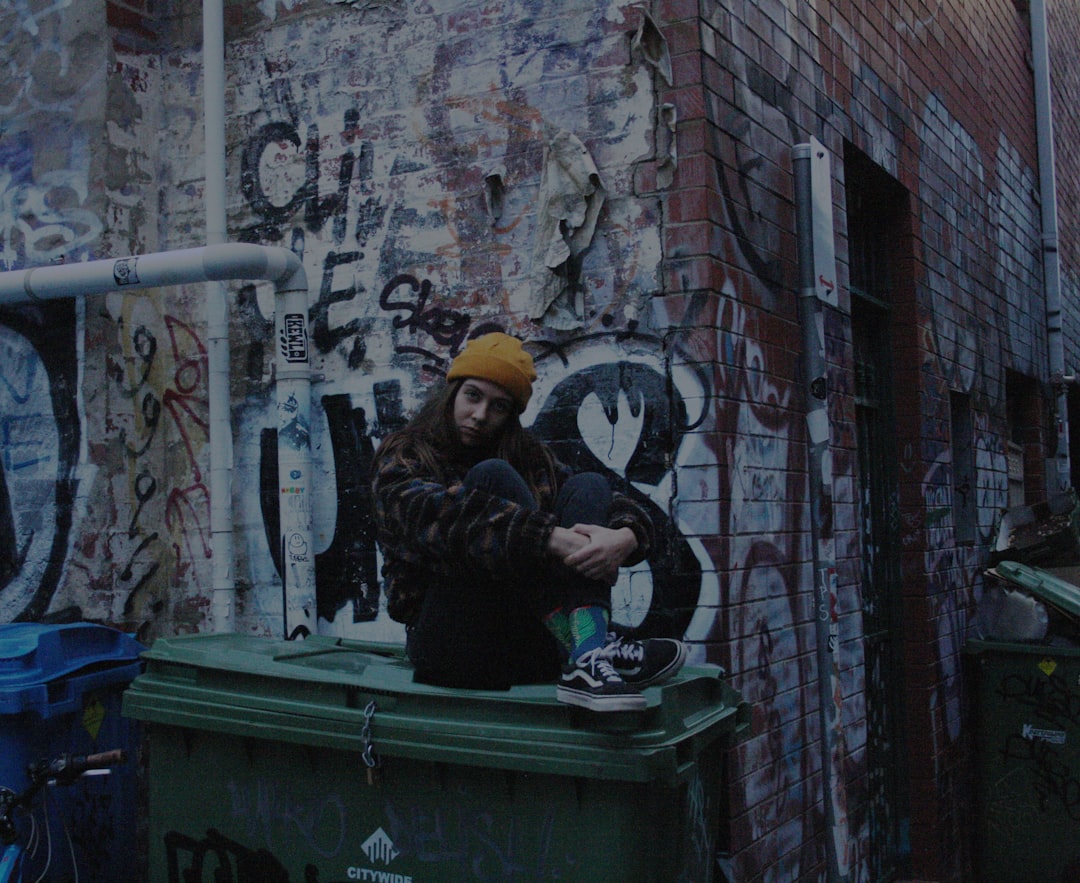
(1027, 728)
(322, 760)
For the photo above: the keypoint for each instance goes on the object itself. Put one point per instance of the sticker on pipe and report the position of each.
(294, 337)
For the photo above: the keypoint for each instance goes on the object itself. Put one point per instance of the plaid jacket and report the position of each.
(430, 526)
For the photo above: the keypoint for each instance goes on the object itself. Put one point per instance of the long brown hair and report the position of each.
(431, 438)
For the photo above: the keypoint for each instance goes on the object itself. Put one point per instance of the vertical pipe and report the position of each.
(1060, 472)
(293, 384)
(819, 467)
(217, 325)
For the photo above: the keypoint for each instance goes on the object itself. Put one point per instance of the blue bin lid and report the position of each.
(33, 655)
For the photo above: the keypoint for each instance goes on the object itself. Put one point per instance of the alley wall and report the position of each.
(612, 182)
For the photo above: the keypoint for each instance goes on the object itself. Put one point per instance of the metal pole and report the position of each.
(819, 467)
(1060, 471)
(223, 579)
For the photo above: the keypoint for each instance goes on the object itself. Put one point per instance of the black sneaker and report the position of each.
(645, 662)
(591, 682)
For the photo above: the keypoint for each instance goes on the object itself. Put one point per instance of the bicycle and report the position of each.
(35, 847)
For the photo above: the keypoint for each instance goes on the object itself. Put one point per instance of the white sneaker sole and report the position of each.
(582, 699)
(664, 675)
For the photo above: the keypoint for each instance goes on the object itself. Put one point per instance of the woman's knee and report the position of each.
(585, 498)
(499, 478)
(592, 483)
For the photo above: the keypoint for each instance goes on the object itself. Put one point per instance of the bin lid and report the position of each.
(1049, 585)
(356, 696)
(33, 655)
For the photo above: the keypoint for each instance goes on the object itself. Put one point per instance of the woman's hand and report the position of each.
(563, 542)
(603, 554)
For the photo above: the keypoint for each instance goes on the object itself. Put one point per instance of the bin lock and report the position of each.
(369, 755)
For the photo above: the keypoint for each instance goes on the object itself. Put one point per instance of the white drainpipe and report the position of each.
(217, 324)
(293, 380)
(1060, 471)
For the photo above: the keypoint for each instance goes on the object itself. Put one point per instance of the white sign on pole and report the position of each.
(824, 245)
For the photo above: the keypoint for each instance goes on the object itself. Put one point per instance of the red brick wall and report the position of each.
(1064, 36)
(941, 99)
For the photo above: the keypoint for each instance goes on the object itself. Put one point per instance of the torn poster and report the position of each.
(650, 42)
(571, 196)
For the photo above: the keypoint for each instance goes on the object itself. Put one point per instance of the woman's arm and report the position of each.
(605, 551)
(627, 512)
(625, 540)
(445, 528)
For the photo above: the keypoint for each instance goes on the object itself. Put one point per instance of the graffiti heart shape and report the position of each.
(611, 436)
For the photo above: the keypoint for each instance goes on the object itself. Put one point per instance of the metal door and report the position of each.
(881, 586)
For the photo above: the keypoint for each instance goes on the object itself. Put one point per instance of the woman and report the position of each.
(498, 559)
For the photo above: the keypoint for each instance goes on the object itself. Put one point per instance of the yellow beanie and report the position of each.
(499, 358)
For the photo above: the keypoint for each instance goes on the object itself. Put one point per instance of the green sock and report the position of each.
(588, 627)
(558, 623)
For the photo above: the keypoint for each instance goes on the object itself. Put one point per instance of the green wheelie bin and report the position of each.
(1027, 729)
(322, 760)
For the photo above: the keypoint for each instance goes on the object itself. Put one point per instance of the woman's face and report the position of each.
(481, 409)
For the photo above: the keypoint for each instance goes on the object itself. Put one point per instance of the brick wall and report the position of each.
(1063, 38)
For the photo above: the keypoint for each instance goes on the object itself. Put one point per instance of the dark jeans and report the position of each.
(490, 635)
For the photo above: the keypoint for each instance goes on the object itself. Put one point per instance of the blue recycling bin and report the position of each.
(60, 692)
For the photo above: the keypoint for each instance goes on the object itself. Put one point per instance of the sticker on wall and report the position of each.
(93, 716)
(1032, 734)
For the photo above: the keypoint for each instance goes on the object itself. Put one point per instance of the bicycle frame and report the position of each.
(11, 863)
(63, 771)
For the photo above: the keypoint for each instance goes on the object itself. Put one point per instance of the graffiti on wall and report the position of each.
(40, 438)
(46, 215)
(415, 224)
(53, 73)
(960, 345)
(406, 174)
(614, 415)
(761, 628)
(312, 179)
(156, 430)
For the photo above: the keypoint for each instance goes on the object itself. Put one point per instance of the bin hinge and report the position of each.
(370, 755)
